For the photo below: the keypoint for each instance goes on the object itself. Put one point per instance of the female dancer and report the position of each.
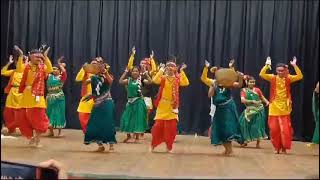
(56, 105)
(134, 117)
(225, 125)
(147, 65)
(252, 120)
(100, 128)
(167, 102)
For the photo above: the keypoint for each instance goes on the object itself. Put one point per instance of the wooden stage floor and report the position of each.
(192, 158)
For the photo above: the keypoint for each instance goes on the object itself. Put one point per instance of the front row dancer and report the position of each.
(280, 105)
(100, 128)
(252, 120)
(225, 125)
(32, 115)
(167, 103)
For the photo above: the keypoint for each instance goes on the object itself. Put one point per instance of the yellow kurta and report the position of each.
(204, 77)
(84, 106)
(14, 97)
(165, 110)
(280, 105)
(28, 100)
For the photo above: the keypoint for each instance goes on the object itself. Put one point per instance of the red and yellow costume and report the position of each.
(167, 102)
(280, 107)
(32, 115)
(14, 97)
(85, 107)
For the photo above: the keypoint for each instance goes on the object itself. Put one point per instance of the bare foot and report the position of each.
(277, 151)
(111, 148)
(38, 145)
(50, 134)
(284, 151)
(136, 140)
(244, 145)
(32, 141)
(60, 135)
(100, 149)
(258, 146)
(151, 149)
(126, 140)
(310, 145)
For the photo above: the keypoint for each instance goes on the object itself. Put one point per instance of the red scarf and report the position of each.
(38, 84)
(273, 88)
(175, 91)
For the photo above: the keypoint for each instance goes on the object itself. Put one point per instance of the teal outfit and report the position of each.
(134, 117)
(252, 119)
(225, 125)
(315, 110)
(56, 103)
(101, 128)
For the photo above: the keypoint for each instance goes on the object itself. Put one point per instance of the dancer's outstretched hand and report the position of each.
(10, 59)
(206, 63)
(183, 66)
(133, 50)
(294, 61)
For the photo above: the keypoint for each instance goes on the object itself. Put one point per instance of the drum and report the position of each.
(226, 77)
(93, 68)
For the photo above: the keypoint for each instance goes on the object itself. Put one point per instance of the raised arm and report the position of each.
(263, 73)
(47, 62)
(20, 65)
(122, 79)
(4, 70)
(299, 75)
(157, 78)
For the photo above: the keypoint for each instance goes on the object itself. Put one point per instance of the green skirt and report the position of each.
(56, 109)
(225, 125)
(101, 127)
(134, 117)
(315, 110)
(252, 124)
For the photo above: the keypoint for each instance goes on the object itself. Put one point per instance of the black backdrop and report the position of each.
(248, 31)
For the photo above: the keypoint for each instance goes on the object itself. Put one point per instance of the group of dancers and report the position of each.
(36, 103)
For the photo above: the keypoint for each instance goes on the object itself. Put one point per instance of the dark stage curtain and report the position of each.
(193, 31)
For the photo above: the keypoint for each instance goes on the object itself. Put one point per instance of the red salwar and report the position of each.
(84, 118)
(32, 119)
(10, 116)
(281, 131)
(164, 131)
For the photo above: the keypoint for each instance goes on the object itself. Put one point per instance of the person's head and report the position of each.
(145, 64)
(171, 67)
(135, 72)
(35, 56)
(250, 81)
(282, 70)
(56, 71)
